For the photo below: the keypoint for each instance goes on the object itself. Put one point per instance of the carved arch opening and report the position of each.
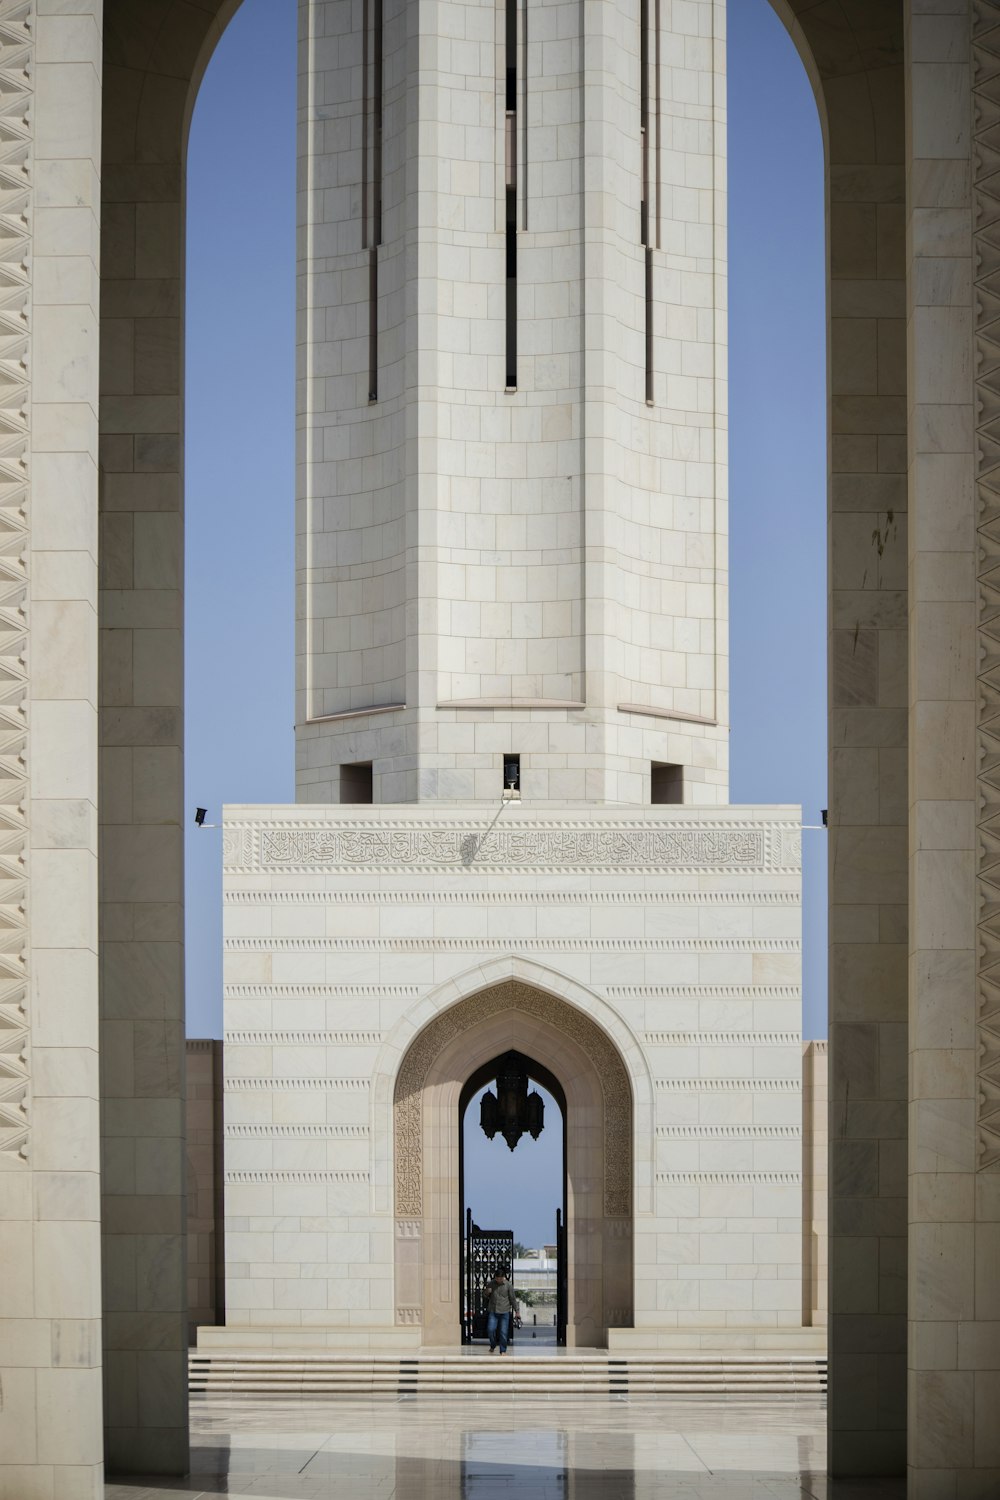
(599, 1155)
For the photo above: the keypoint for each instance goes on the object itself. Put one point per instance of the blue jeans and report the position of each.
(498, 1323)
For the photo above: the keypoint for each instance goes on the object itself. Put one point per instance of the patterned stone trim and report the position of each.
(303, 1038)
(730, 1085)
(986, 123)
(16, 208)
(253, 1179)
(729, 1179)
(295, 1132)
(703, 991)
(525, 897)
(331, 1085)
(473, 1012)
(729, 1132)
(689, 846)
(315, 991)
(503, 945)
(721, 1038)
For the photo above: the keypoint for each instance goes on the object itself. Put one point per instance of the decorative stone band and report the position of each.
(729, 1132)
(473, 1012)
(303, 1038)
(721, 1038)
(312, 991)
(433, 944)
(729, 1179)
(253, 1179)
(296, 1132)
(731, 1085)
(743, 992)
(541, 846)
(524, 897)
(292, 1085)
(17, 30)
(700, 1038)
(986, 117)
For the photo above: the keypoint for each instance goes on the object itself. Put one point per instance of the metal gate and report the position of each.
(562, 1279)
(484, 1250)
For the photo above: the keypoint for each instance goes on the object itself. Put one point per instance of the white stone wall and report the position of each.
(559, 549)
(343, 931)
(50, 1248)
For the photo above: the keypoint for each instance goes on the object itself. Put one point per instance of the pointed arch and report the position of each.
(431, 1069)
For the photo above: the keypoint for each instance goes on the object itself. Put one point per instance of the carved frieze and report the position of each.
(473, 1012)
(538, 846)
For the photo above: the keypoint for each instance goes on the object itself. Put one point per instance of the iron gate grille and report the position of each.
(485, 1249)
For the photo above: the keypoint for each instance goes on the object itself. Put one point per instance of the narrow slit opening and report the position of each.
(377, 125)
(373, 324)
(649, 325)
(365, 107)
(376, 237)
(658, 164)
(524, 114)
(644, 232)
(510, 191)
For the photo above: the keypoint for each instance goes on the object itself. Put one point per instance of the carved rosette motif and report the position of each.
(619, 846)
(986, 178)
(16, 203)
(473, 1012)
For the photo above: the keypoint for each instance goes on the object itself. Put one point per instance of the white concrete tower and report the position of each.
(512, 484)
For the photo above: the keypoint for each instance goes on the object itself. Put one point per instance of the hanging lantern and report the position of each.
(512, 1110)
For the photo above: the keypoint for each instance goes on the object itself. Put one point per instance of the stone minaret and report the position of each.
(512, 486)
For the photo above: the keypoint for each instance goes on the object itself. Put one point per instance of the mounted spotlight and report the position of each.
(512, 1110)
(200, 814)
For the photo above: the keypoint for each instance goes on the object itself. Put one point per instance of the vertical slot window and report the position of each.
(375, 239)
(644, 206)
(510, 189)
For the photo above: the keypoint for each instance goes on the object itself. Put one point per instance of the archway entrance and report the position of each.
(459, 1045)
(513, 1125)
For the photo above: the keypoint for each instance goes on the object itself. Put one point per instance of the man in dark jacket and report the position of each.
(500, 1310)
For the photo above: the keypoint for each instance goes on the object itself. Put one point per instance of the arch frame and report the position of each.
(429, 1080)
(545, 979)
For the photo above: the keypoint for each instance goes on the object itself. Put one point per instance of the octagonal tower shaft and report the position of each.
(512, 506)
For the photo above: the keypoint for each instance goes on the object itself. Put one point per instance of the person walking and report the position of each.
(500, 1310)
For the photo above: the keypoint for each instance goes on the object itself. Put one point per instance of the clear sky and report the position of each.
(240, 468)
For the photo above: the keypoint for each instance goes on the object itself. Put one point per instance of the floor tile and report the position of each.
(428, 1449)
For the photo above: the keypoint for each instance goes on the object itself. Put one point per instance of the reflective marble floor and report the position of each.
(430, 1449)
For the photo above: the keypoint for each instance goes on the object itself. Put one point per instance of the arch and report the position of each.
(429, 1081)
(549, 981)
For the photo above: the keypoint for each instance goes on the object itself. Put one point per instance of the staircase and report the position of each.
(301, 1375)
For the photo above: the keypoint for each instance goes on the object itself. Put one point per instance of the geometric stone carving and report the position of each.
(986, 170)
(473, 1012)
(16, 48)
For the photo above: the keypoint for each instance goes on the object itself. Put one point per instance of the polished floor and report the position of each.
(430, 1449)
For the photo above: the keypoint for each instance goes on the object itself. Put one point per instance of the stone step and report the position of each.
(297, 1375)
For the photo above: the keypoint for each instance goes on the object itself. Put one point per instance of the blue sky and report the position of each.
(240, 478)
